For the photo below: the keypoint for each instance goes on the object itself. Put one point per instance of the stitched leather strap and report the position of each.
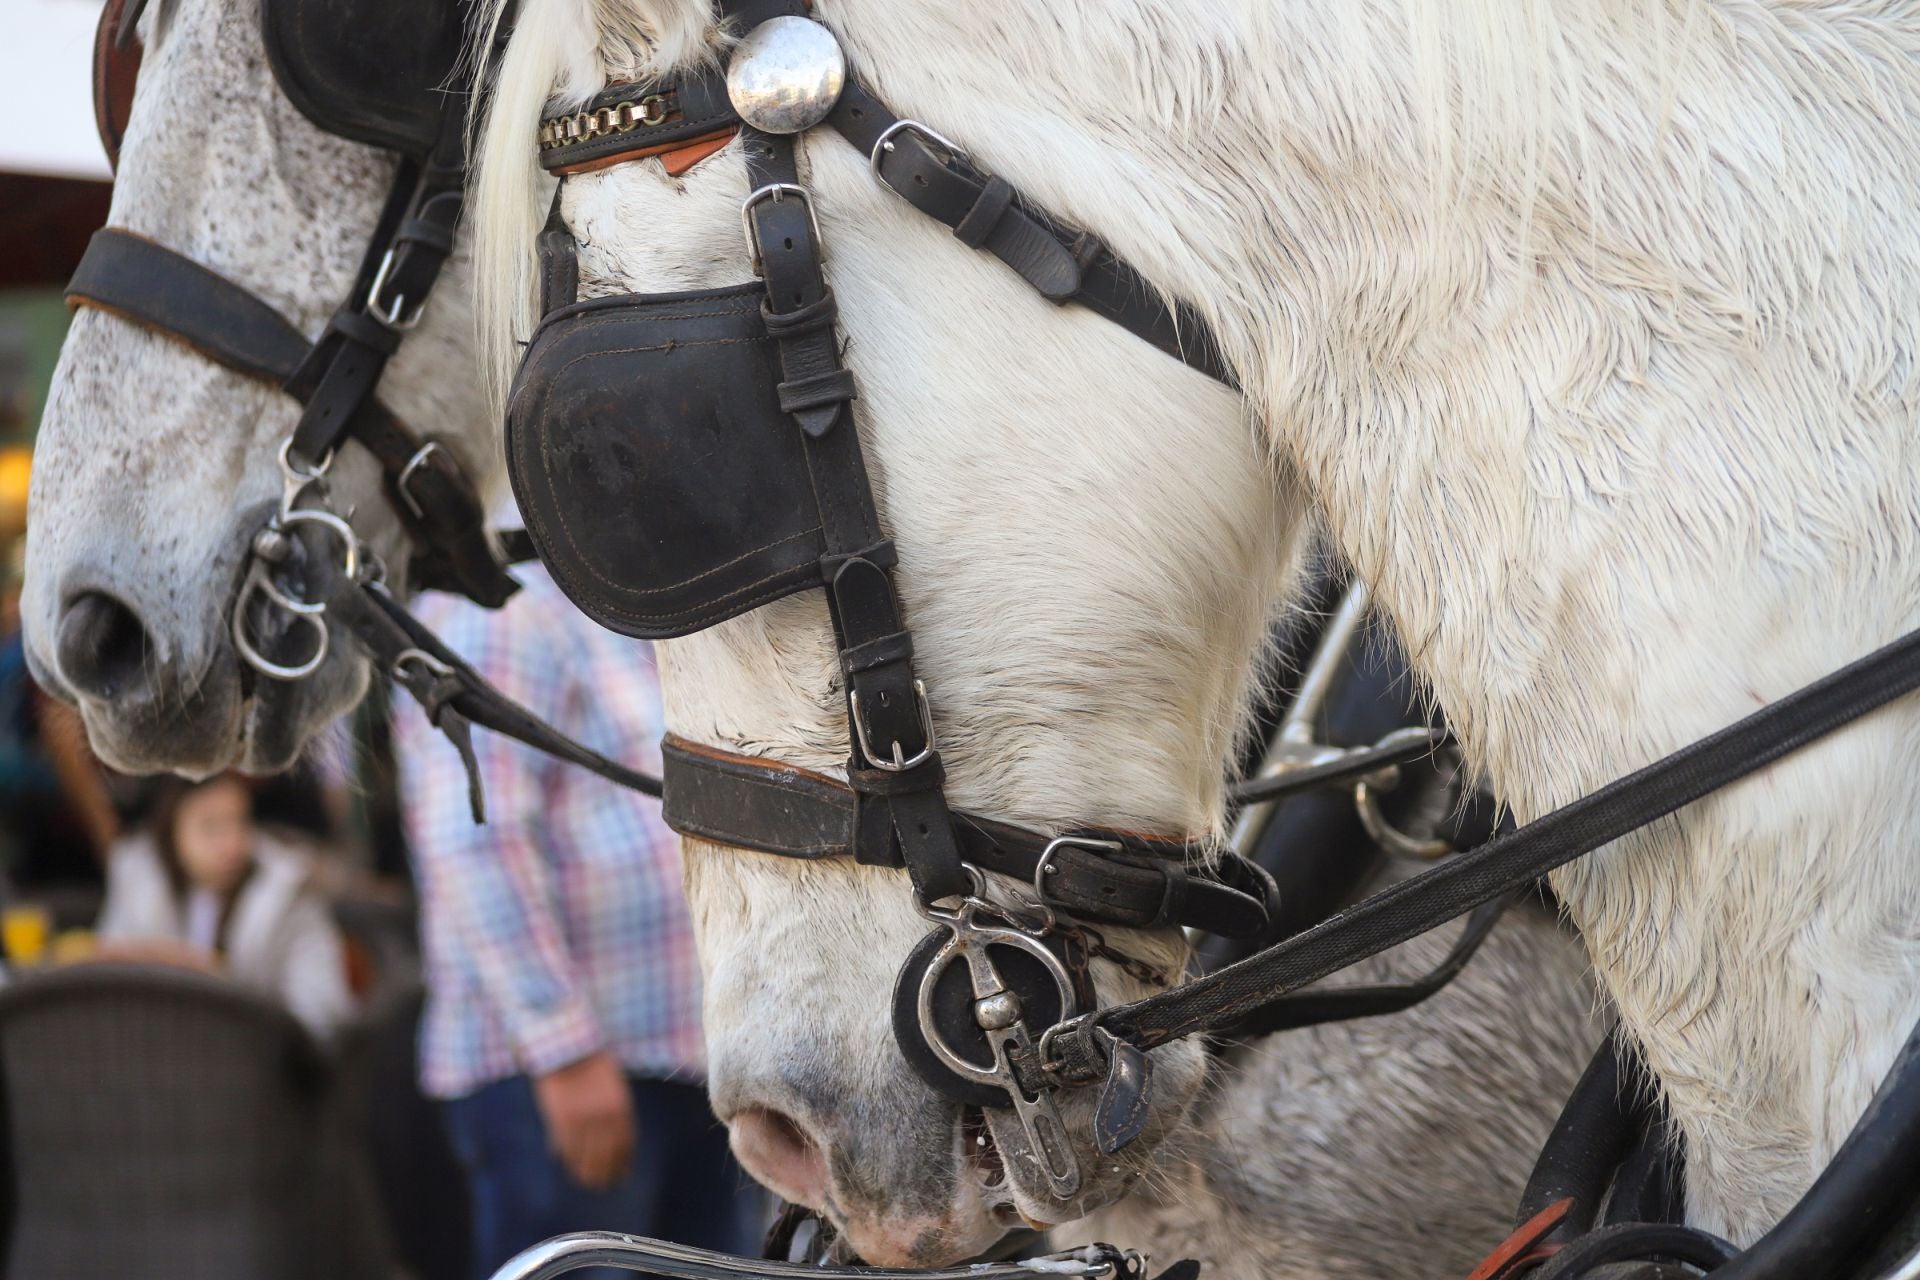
(986, 213)
(901, 816)
(456, 696)
(1504, 865)
(691, 106)
(776, 808)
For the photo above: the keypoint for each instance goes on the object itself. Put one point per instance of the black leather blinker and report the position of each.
(659, 476)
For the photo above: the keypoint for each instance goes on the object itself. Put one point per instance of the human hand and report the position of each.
(588, 1112)
(158, 951)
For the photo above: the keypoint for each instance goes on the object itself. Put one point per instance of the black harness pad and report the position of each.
(662, 483)
(375, 73)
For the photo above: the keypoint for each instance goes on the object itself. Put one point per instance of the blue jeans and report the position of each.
(684, 1185)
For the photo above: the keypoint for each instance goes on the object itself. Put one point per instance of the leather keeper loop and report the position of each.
(986, 213)
(430, 235)
(925, 776)
(357, 326)
(880, 553)
(878, 652)
(833, 386)
(812, 318)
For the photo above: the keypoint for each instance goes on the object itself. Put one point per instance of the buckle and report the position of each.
(1045, 866)
(897, 764)
(395, 315)
(885, 143)
(401, 482)
(776, 191)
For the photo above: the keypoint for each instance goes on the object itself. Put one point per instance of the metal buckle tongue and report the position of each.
(996, 1008)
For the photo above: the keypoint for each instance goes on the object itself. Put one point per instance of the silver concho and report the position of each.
(786, 75)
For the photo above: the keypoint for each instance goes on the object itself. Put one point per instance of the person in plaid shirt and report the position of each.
(562, 1026)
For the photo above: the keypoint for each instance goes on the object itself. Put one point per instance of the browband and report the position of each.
(632, 121)
(1117, 877)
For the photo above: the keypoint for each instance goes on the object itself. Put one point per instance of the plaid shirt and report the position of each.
(558, 928)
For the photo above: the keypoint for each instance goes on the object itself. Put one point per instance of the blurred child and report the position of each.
(203, 886)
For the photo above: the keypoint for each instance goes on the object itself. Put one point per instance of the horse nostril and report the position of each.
(772, 1147)
(103, 646)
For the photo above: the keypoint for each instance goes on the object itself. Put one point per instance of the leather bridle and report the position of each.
(333, 377)
(891, 810)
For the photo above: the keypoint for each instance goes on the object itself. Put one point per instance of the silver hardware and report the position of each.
(896, 764)
(433, 665)
(969, 940)
(776, 191)
(258, 579)
(291, 474)
(786, 75)
(1366, 801)
(418, 460)
(272, 545)
(581, 1249)
(1293, 745)
(1046, 867)
(394, 315)
(997, 1011)
(885, 143)
(349, 544)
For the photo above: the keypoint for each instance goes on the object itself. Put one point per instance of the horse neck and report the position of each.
(1558, 383)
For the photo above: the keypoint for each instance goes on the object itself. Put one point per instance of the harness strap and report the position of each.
(140, 280)
(634, 121)
(987, 213)
(890, 728)
(1504, 865)
(1117, 877)
(454, 695)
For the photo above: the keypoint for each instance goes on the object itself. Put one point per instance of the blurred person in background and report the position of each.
(202, 886)
(563, 999)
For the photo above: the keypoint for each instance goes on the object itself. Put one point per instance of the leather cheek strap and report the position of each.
(748, 802)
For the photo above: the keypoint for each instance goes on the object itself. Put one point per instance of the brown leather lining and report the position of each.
(756, 762)
(115, 68)
(678, 156)
(1524, 1245)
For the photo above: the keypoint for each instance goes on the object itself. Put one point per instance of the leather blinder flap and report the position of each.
(661, 481)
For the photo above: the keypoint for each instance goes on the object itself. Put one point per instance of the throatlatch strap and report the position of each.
(1502, 866)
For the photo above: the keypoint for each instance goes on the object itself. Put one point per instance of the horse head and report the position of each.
(156, 468)
(1090, 541)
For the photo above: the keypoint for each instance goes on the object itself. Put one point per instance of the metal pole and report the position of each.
(1293, 745)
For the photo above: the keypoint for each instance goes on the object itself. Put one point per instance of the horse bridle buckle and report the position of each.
(393, 315)
(896, 761)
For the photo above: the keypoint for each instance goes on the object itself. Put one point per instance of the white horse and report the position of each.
(1383, 1149)
(1588, 327)
(154, 466)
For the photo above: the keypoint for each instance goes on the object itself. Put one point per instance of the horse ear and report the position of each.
(1185, 1269)
(116, 65)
